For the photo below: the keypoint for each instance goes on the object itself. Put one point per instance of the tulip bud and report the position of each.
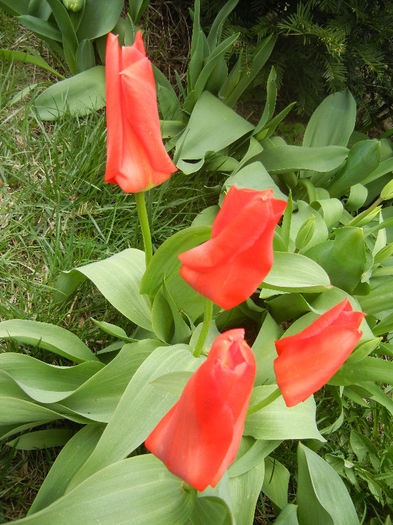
(387, 191)
(305, 233)
(74, 5)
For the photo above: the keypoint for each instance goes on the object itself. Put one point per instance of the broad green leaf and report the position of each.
(384, 167)
(69, 39)
(79, 95)
(136, 9)
(187, 300)
(332, 122)
(363, 158)
(321, 494)
(244, 489)
(118, 278)
(85, 57)
(288, 516)
(43, 382)
(47, 336)
(73, 454)
(209, 510)
(139, 410)
(275, 483)
(99, 17)
(212, 63)
(167, 318)
(368, 369)
(330, 209)
(344, 259)
(113, 330)
(304, 213)
(278, 422)
(139, 488)
(98, 397)
(206, 217)
(259, 59)
(174, 382)
(265, 351)
(168, 102)
(249, 458)
(214, 35)
(380, 298)
(255, 177)
(165, 262)
(52, 437)
(26, 58)
(305, 275)
(357, 197)
(270, 104)
(15, 7)
(41, 27)
(224, 127)
(284, 159)
(286, 307)
(15, 411)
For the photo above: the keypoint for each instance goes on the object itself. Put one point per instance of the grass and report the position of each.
(56, 213)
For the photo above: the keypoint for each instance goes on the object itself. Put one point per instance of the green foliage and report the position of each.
(322, 47)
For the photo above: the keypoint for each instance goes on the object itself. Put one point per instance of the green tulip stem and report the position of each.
(265, 402)
(144, 222)
(207, 319)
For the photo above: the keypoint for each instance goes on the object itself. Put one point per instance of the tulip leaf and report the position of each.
(225, 127)
(210, 510)
(99, 17)
(265, 351)
(98, 397)
(47, 336)
(368, 369)
(288, 516)
(275, 483)
(118, 278)
(278, 422)
(43, 382)
(79, 95)
(52, 437)
(255, 177)
(165, 262)
(333, 122)
(26, 58)
(174, 382)
(15, 411)
(40, 27)
(244, 489)
(139, 410)
(363, 158)
(168, 323)
(139, 488)
(321, 493)
(285, 159)
(299, 218)
(380, 298)
(305, 275)
(73, 454)
(344, 259)
(247, 460)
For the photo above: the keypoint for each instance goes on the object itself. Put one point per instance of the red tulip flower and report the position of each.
(136, 156)
(230, 266)
(307, 360)
(199, 437)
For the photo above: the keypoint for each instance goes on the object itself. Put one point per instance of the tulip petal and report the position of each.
(199, 437)
(307, 360)
(136, 156)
